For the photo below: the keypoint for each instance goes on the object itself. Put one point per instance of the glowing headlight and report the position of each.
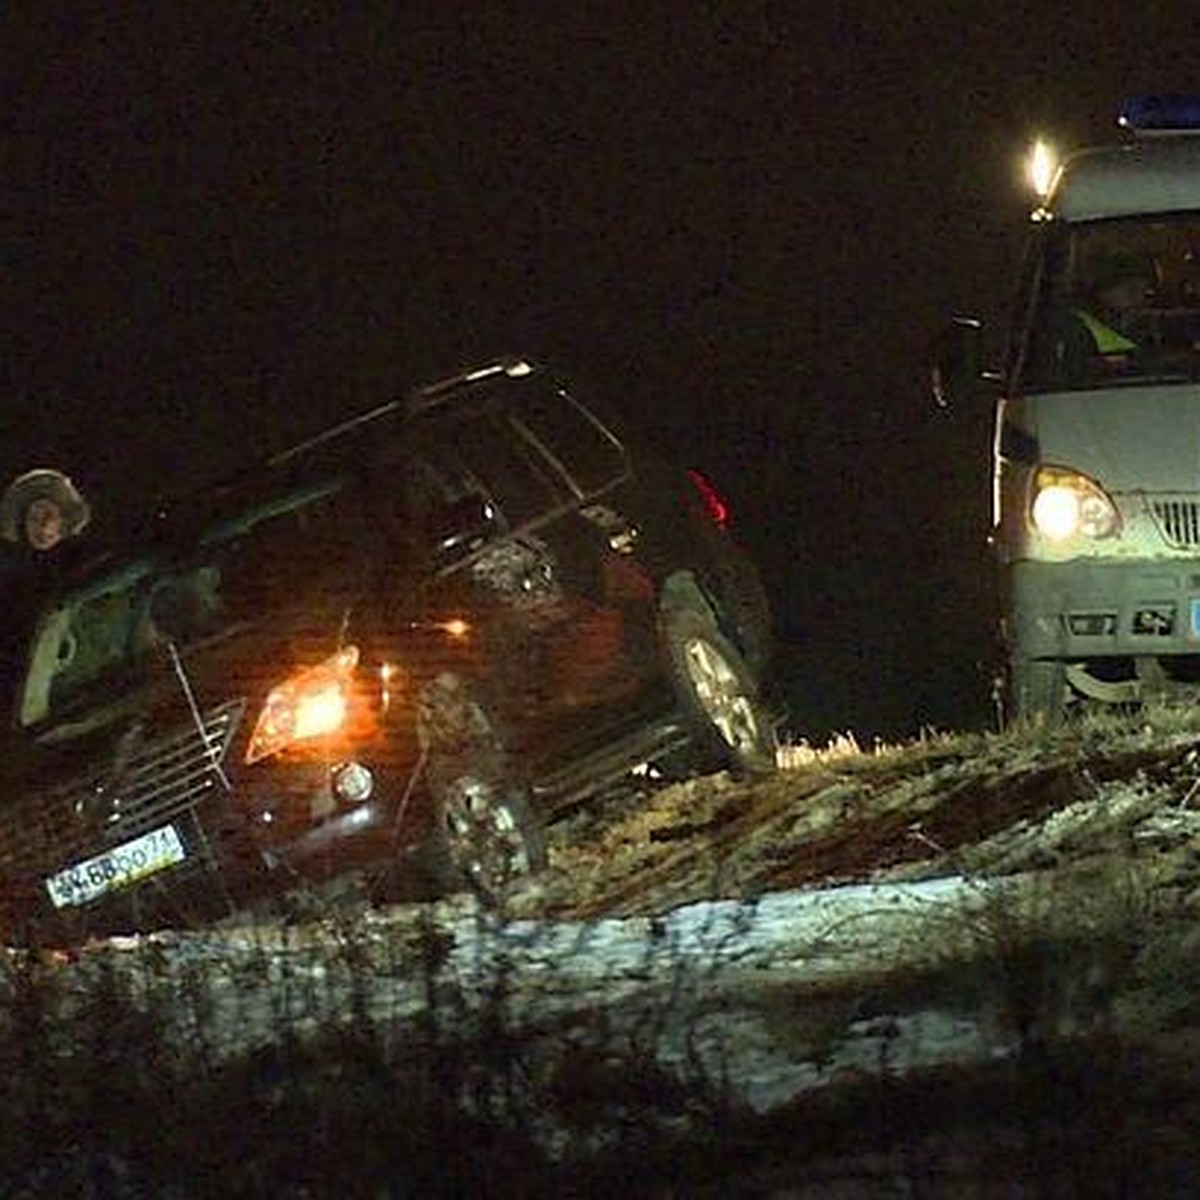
(1067, 504)
(1041, 167)
(310, 704)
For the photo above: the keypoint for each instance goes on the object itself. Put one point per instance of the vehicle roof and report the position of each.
(321, 455)
(255, 487)
(1148, 175)
(426, 396)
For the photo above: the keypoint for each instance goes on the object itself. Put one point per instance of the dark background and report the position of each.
(227, 225)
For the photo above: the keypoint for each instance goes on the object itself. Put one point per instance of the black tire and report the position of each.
(718, 695)
(1037, 692)
(486, 834)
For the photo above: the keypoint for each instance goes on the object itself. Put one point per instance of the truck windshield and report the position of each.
(1116, 302)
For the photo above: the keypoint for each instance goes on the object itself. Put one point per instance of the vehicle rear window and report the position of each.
(580, 448)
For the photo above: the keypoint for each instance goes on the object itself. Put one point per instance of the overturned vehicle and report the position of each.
(384, 657)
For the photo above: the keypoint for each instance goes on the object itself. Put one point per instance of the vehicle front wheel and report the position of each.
(490, 835)
(1037, 692)
(487, 834)
(719, 696)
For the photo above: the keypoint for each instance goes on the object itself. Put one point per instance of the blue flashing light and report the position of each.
(1161, 114)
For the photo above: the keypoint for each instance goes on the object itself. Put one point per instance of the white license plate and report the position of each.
(116, 868)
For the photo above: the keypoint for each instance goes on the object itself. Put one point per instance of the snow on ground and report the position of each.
(708, 978)
(860, 916)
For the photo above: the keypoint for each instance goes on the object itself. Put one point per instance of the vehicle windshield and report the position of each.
(230, 573)
(1115, 302)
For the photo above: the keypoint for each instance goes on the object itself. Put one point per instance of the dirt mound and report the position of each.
(972, 804)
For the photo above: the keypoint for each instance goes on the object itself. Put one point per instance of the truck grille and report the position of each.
(163, 779)
(1178, 519)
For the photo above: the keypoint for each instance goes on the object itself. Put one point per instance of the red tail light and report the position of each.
(715, 504)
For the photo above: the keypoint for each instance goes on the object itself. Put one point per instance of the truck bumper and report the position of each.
(1111, 622)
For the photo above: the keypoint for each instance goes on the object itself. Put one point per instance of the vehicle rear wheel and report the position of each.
(487, 834)
(719, 695)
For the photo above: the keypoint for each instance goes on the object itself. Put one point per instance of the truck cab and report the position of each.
(1096, 485)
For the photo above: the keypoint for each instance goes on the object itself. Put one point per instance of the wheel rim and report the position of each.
(721, 694)
(486, 839)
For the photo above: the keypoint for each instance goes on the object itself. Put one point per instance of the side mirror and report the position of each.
(957, 369)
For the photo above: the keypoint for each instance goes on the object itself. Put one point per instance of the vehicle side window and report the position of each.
(494, 462)
(582, 450)
(516, 480)
(453, 481)
(446, 512)
(1020, 347)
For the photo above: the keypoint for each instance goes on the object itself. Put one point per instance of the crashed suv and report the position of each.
(393, 651)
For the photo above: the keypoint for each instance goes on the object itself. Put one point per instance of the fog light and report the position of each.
(352, 782)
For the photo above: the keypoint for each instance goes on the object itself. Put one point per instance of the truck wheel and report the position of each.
(1037, 692)
(718, 695)
(486, 834)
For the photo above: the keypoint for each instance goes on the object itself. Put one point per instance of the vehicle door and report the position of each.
(515, 479)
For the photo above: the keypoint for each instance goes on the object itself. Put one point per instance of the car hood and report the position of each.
(168, 691)
(1127, 439)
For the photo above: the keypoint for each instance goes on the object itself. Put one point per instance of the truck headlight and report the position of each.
(1066, 504)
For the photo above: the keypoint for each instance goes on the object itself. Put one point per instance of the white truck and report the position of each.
(1096, 490)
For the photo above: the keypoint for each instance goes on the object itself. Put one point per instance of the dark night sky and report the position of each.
(744, 221)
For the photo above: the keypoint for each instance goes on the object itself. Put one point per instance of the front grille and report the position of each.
(164, 778)
(1178, 519)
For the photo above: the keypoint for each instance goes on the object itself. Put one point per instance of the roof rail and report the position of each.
(420, 397)
(335, 431)
(432, 393)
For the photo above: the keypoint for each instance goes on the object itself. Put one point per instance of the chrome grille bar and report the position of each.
(1178, 519)
(165, 779)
